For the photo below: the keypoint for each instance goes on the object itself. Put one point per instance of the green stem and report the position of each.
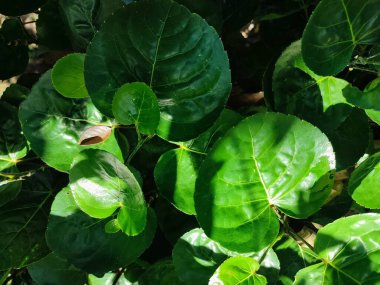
(270, 246)
(140, 143)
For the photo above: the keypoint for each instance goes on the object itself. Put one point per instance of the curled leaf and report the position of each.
(94, 135)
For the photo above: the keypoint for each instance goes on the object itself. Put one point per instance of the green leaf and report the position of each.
(196, 257)
(15, 94)
(101, 184)
(173, 51)
(374, 56)
(53, 125)
(84, 17)
(364, 183)
(23, 222)
(12, 143)
(51, 28)
(108, 279)
(369, 99)
(182, 164)
(267, 161)
(13, 30)
(80, 239)
(55, 270)
(320, 101)
(68, 76)
(19, 7)
(238, 270)
(13, 59)
(333, 31)
(374, 112)
(9, 188)
(135, 103)
(160, 273)
(349, 252)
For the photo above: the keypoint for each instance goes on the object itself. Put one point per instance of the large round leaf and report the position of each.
(135, 103)
(177, 170)
(238, 270)
(364, 183)
(55, 270)
(173, 51)
(100, 184)
(53, 125)
(23, 223)
(320, 100)
(267, 161)
(335, 28)
(350, 253)
(68, 77)
(12, 142)
(80, 239)
(19, 7)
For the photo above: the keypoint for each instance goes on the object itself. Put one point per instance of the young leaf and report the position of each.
(267, 161)
(68, 76)
(100, 184)
(12, 143)
(349, 253)
(334, 30)
(95, 135)
(175, 52)
(182, 164)
(54, 270)
(364, 183)
(92, 246)
(135, 103)
(53, 125)
(23, 223)
(238, 270)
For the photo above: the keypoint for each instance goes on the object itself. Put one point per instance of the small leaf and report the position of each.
(101, 184)
(364, 183)
(68, 78)
(112, 227)
(92, 246)
(335, 29)
(55, 270)
(95, 135)
(135, 103)
(238, 270)
(349, 253)
(267, 161)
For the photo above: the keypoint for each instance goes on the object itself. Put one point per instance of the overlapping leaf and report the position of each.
(173, 51)
(267, 161)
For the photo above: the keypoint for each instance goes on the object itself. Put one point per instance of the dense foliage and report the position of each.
(136, 146)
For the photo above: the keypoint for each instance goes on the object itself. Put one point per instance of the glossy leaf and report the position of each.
(267, 161)
(23, 223)
(9, 187)
(238, 270)
(80, 239)
(177, 170)
(109, 279)
(364, 183)
(84, 17)
(53, 125)
(335, 29)
(135, 103)
(19, 7)
(101, 184)
(160, 273)
(349, 251)
(12, 143)
(175, 52)
(369, 99)
(320, 100)
(94, 135)
(68, 78)
(55, 270)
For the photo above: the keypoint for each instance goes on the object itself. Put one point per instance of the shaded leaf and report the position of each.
(267, 161)
(80, 239)
(51, 122)
(174, 52)
(68, 78)
(160, 273)
(19, 7)
(9, 188)
(13, 60)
